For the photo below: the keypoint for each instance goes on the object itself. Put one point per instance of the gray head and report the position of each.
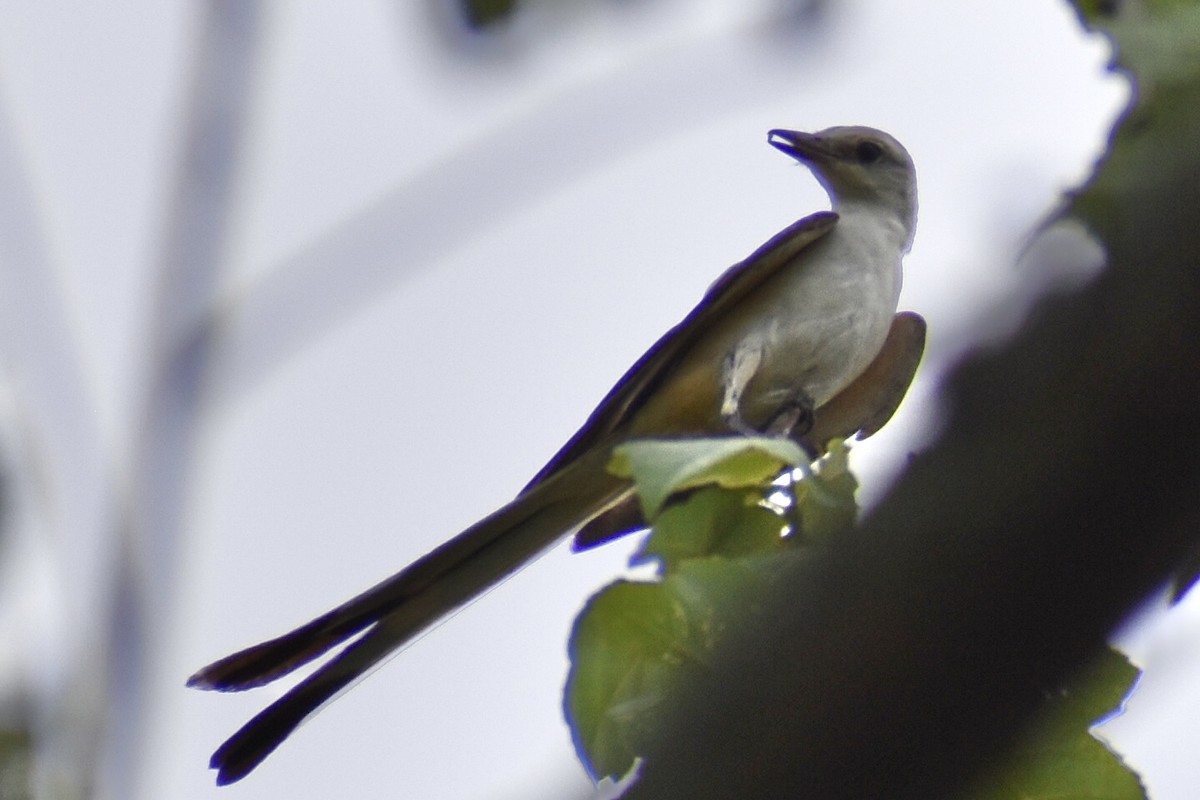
(857, 165)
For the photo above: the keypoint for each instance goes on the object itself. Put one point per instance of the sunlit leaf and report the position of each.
(714, 522)
(825, 502)
(663, 467)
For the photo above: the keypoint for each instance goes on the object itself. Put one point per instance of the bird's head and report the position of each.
(857, 165)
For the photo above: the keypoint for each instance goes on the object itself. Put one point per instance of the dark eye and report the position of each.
(867, 152)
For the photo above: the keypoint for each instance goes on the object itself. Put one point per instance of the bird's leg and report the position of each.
(794, 417)
(738, 369)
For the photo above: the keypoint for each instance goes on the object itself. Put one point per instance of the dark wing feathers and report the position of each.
(639, 381)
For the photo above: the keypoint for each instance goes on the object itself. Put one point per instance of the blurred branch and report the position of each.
(197, 233)
(68, 468)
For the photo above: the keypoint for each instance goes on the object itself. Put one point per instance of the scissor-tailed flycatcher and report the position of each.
(802, 339)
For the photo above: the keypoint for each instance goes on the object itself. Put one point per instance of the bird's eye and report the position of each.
(867, 152)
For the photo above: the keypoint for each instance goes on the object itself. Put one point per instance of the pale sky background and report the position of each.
(432, 255)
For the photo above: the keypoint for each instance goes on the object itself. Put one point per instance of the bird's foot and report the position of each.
(793, 418)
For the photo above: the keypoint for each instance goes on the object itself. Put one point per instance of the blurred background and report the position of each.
(291, 292)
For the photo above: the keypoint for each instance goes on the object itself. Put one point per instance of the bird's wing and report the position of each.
(640, 380)
(867, 404)
(861, 408)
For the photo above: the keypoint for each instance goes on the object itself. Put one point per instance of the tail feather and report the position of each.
(267, 729)
(262, 663)
(395, 611)
(259, 665)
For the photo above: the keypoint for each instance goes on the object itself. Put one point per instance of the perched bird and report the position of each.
(801, 339)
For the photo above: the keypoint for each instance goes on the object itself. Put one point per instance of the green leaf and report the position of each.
(714, 522)
(824, 501)
(718, 547)
(664, 467)
(1158, 45)
(1059, 758)
(634, 641)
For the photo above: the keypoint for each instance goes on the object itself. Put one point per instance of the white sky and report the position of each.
(439, 260)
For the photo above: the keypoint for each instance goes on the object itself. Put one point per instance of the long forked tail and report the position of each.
(395, 611)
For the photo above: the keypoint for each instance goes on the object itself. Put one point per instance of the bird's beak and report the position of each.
(800, 146)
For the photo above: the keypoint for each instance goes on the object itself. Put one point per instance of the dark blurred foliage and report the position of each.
(15, 764)
(481, 14)
(478, 14)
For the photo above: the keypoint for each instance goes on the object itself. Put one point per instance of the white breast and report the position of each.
(833, 308)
